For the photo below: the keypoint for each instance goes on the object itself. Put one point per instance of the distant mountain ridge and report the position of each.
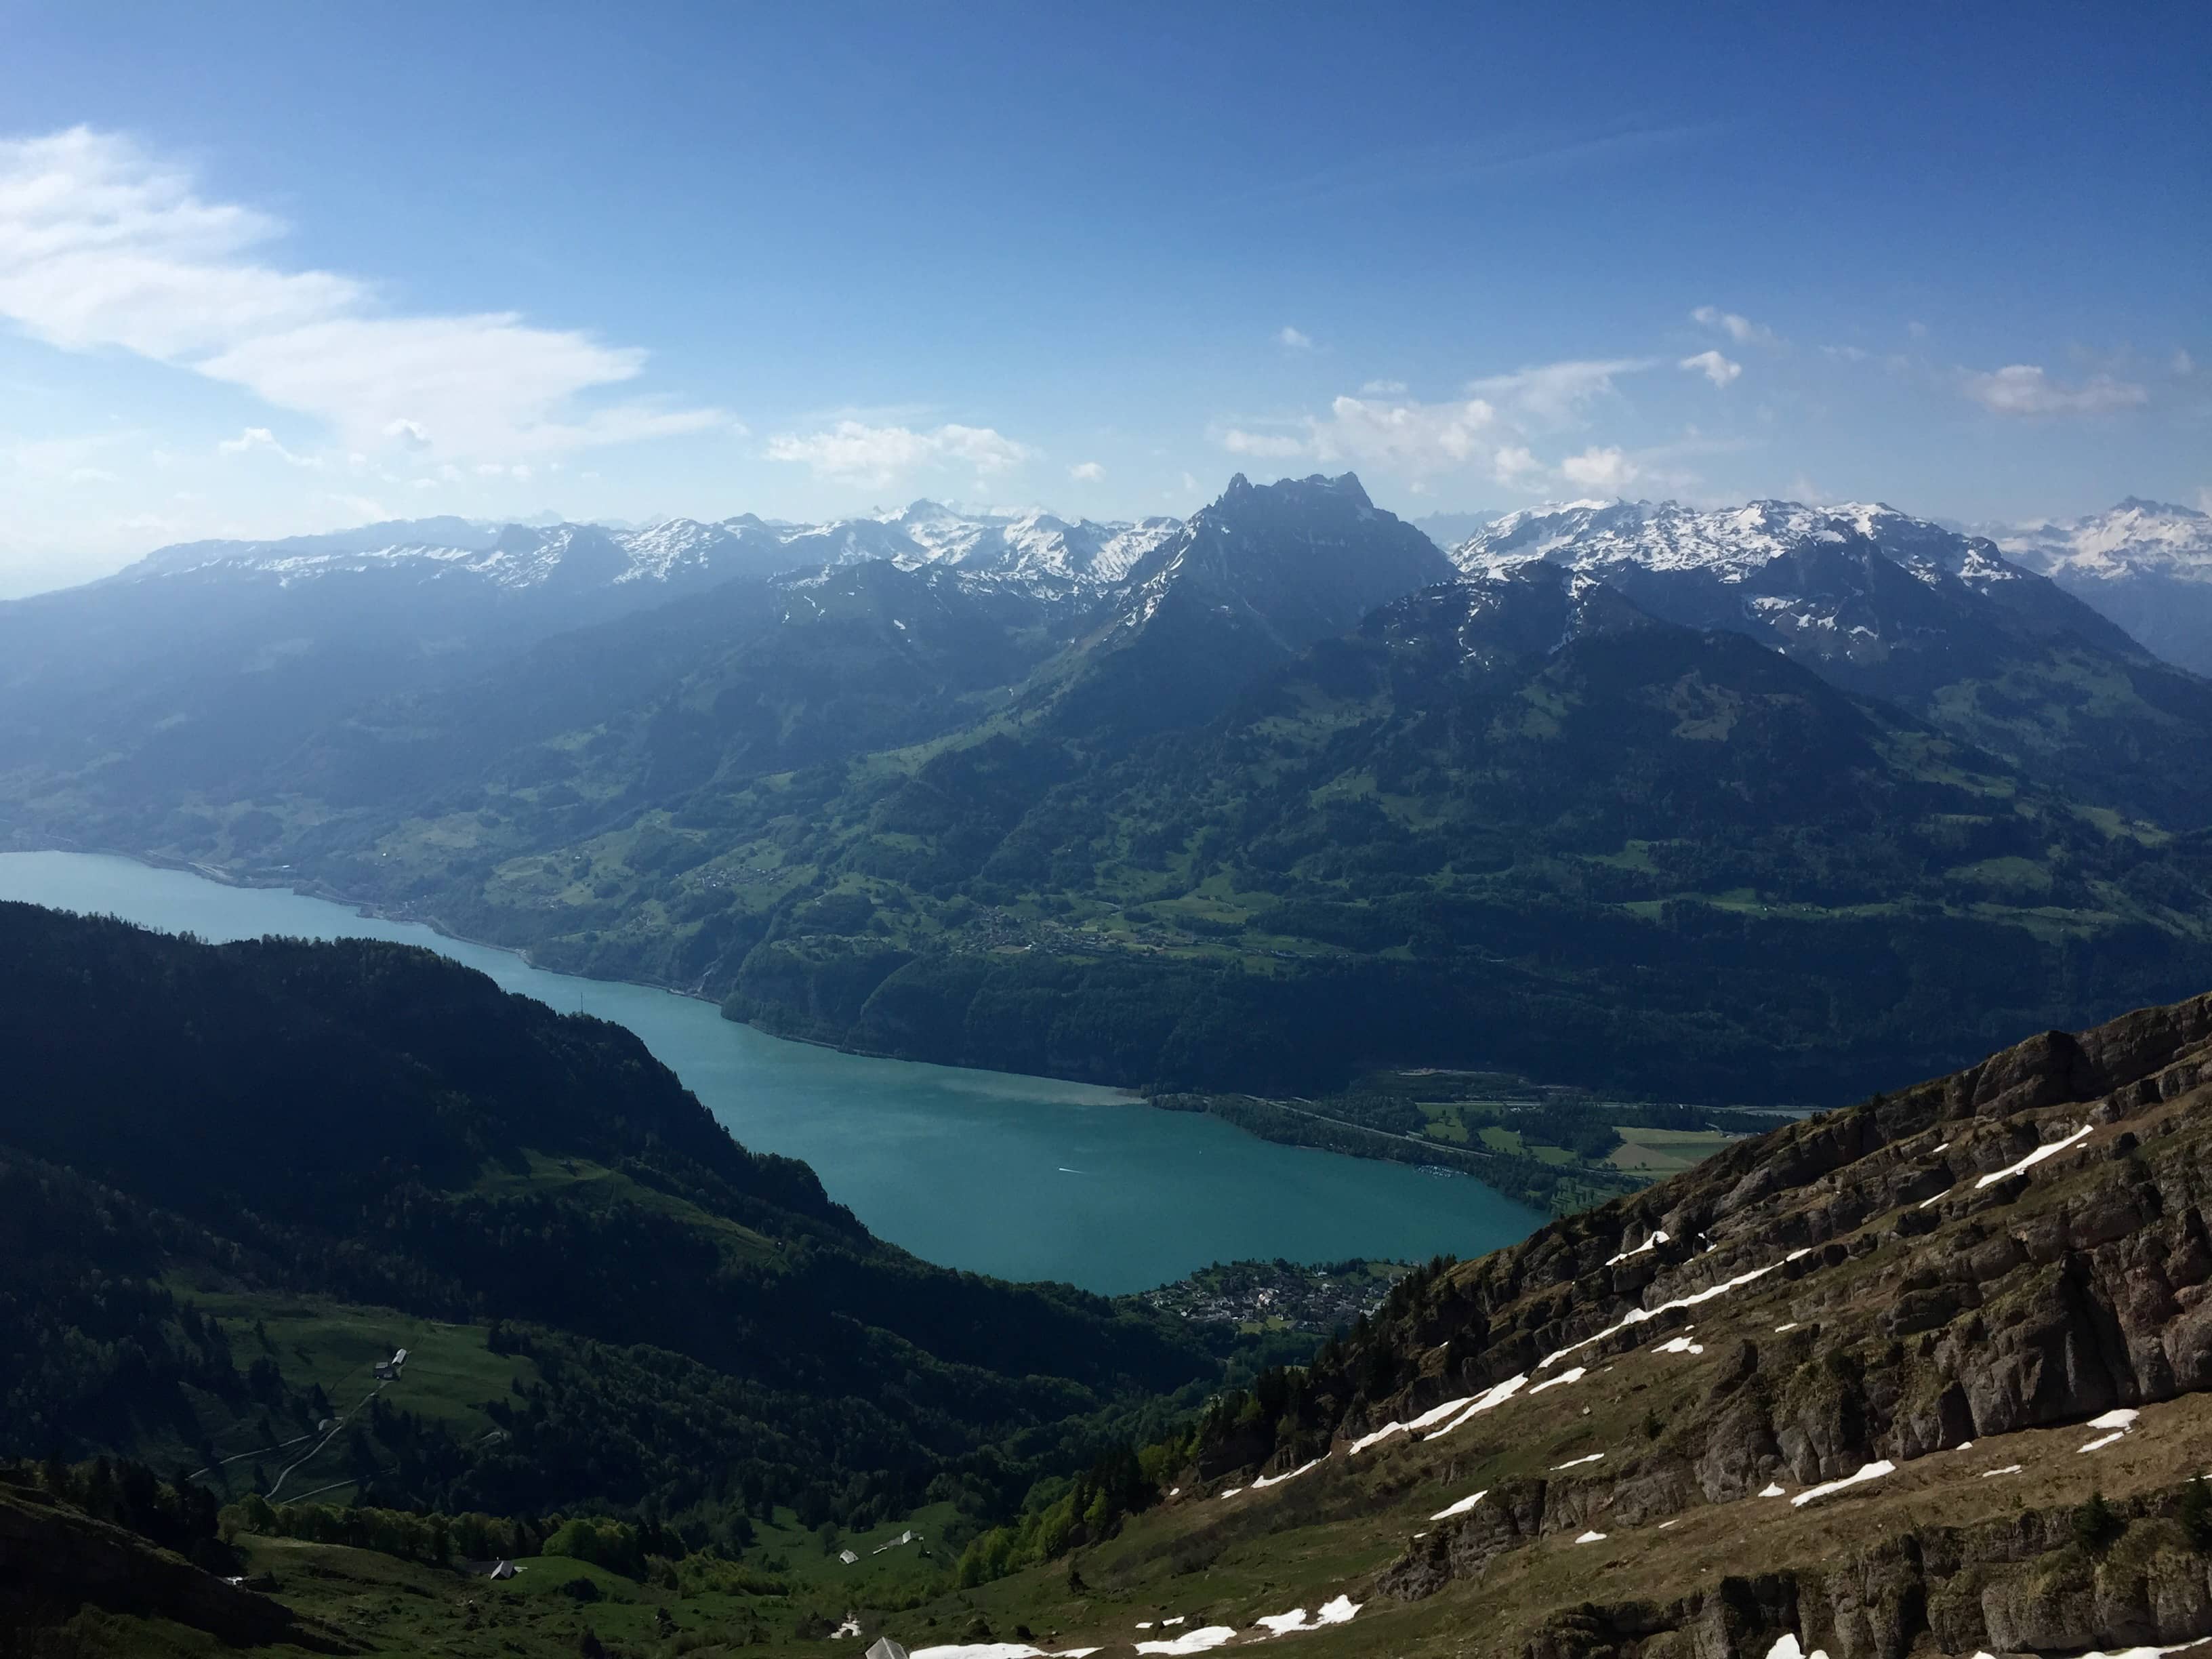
(1035, 550)
(1887, 605)
(1741, 804)
(2147, 565)
(2134, 537)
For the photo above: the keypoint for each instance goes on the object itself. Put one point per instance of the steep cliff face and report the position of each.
(2020, 1244)
(1922, 1375)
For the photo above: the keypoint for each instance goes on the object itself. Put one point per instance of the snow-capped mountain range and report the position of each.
(1731, 544)
(1034, 551)
(1849, 585)
(2136, 538)
(2147, 565)
(2127, 562)
(1937, 621)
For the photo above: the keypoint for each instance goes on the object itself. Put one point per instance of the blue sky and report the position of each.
(271, 268)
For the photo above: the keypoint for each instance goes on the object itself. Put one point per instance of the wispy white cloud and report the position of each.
(1293, 339)
(1238, 441)
(1714, 367)
(105, 244)
(1557, 394)
(1491, 433)
(63, 458)
(1086, 472)
(1515, 466)
(1608, 469)
(2026, 389)
(260, 437)
(1738, 327)
(1383, 389)
(1412, 441)
(1413, 438)
(853, 451)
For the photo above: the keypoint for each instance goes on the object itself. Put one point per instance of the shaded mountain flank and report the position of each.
(1891, 606)
(1513, 821)
(200, 1141)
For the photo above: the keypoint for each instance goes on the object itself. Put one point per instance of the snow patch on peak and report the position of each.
(1031, 550)
(2134, 539)
(1730, 543)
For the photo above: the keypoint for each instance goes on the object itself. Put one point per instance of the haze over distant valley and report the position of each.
(1254, 800)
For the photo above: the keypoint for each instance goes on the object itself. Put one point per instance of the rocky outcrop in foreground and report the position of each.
(1930, 1374)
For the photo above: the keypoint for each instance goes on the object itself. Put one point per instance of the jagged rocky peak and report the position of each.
(1281, 522)
(1314, 490)
(1298, 561)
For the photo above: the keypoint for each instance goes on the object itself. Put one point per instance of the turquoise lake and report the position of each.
(1021, 1176)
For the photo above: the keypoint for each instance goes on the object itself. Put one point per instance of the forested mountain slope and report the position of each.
(1512, 822)
(1928, 1374)
(199, 1138)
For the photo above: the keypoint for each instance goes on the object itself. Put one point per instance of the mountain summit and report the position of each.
(2147, 565)
(1888, 606)
(1253, 578)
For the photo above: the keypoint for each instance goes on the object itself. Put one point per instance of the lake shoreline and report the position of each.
(310, 887)
(1266, 1121)
(1006, 1173)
